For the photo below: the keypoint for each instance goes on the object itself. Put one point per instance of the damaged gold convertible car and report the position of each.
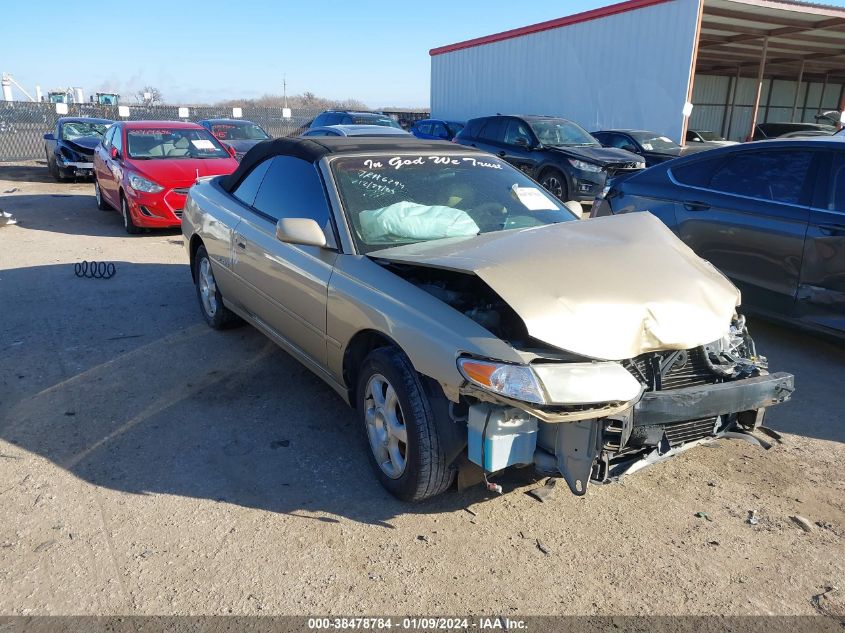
(468, 316)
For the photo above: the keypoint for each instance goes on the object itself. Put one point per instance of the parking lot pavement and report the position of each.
(151, 465)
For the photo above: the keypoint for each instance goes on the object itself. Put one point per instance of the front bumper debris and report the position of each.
(693, 403)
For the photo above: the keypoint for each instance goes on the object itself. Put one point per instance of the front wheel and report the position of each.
(555, 183)
(128, 223)
(397, 418)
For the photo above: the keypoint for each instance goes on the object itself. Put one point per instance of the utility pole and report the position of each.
(285, 89)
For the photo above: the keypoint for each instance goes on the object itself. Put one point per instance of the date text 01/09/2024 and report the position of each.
(417, 624)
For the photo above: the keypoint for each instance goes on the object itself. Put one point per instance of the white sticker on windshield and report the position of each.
(666, 139)
(648, 147)
(202, 143)
(533, 199)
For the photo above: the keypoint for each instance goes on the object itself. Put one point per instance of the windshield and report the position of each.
(375, 119)
(651, 142)
(561, 132)
(153, 143)
(709, 136)
(390, 200)
(239, 132)
(81, 129)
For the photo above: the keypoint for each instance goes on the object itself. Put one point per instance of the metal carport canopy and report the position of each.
(772, 39)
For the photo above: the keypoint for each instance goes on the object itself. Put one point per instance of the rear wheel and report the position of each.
(398, 421)
(555, 183)
(128, 223)
(215, 313)
(102, 205)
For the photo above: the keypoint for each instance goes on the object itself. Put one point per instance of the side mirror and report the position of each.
(114, 152)
(630, 148)
(304, 231)
(48, 136)
(230, 149)
(521, 141)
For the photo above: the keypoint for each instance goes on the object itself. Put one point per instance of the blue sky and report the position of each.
(207, 51)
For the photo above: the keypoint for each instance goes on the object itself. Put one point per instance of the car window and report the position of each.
(494, 130)
(390, 200)
(774, 175)
(292, 189)
(117, 140)
(837, 183)
(107, 139)
(439, 130)
(455, 128)
(424, 128)
(616, 140)
(516, 129)
(697, 173)
(347, 120)
(246, 191)
(473, 128)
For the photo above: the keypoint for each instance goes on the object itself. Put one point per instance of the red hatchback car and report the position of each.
(145, 168)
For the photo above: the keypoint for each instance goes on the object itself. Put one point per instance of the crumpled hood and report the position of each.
(609, 288)
(182, 172)
(84, 145)
(598, 155)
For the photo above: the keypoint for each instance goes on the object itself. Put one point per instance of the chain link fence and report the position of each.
(23, 124)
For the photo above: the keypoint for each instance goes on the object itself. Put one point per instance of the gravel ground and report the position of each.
(149, 465)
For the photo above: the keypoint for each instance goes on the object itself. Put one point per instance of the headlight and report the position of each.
(514, 381)
(640, 165)
(584, 166)
(142, 184)
(587, 383)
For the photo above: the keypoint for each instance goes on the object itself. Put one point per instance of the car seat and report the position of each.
(180, 147)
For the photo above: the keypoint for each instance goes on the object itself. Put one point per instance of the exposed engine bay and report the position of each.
(688, 395)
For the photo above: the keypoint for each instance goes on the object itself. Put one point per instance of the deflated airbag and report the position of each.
(409, 220)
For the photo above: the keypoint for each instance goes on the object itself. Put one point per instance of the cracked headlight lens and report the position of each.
(584, 165)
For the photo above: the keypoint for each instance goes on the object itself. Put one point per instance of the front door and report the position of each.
(286, 285)
(750, 219)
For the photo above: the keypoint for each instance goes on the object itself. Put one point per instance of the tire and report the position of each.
(420, 470)
(128, 223)
(554, 182)
(217, 315)
(102, 205)
(53, 167)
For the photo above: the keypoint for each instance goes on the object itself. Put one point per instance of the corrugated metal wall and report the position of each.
(712, 96)
(629, 70)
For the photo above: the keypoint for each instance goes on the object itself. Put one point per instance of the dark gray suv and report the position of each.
(559, 154)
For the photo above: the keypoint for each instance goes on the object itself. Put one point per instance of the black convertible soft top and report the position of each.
(314, 148)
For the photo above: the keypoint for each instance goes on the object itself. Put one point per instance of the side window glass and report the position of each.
(837, 183)
(249, 186)
(697, 173)
(777, 175)
(425, 128)
(494, 130)
(517, 130)
(117, 140)
(292, 189)
(108, 137)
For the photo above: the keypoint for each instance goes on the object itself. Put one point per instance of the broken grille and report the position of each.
(673, 370)
(683, 432)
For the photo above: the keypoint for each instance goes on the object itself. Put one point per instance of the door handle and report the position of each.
(241, 245)
(240, 241)
(692, 205)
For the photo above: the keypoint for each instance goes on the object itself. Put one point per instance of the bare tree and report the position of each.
(149, 95)
(305, 101)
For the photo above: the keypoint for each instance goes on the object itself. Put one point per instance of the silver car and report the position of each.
(469, 318)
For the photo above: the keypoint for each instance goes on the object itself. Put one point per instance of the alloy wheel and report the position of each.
(386, 428)
(208, 287)
(553, 184)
